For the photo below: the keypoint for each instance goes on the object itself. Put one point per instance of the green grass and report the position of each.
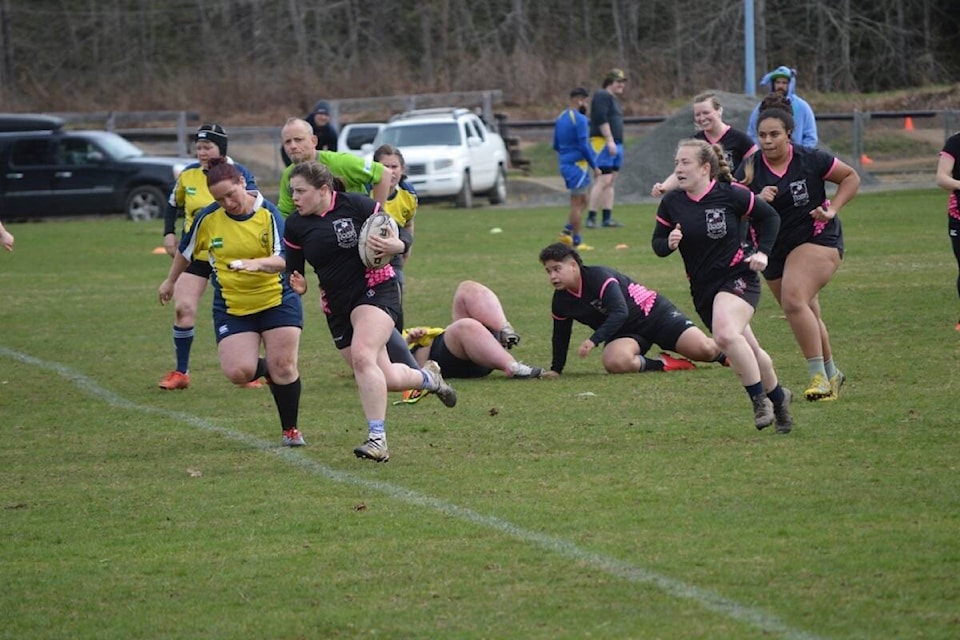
(651, 509)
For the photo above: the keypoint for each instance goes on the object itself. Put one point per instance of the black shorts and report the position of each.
(778, 257)
(453, 367)
(200, 268)
(385, 295)
(662, 327)
(745, 286)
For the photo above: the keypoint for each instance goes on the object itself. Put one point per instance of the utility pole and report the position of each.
(749, 50)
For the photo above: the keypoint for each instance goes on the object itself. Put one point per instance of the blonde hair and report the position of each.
(711, 154)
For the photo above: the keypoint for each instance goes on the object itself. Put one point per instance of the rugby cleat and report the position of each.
(819, 388)
(175, 380)
(292, 438)
(444, 391)
(671, 363)
(836, 382)
(520, 370)
(508, 337)
(781, 412)
(375, 450)
(763, 415)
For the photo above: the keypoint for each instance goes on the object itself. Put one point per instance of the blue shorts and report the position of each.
(605, 162)
(576, 177)
(289, 313)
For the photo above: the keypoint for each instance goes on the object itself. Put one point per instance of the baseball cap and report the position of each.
(579, 92)
(616, 74)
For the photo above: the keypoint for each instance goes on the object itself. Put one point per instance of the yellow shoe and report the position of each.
(818, 389)
(836, 382)
(566, 239)
(583, 246)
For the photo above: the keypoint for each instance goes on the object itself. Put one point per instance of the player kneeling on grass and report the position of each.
(361, 304)
(626, 317)
(475, 343)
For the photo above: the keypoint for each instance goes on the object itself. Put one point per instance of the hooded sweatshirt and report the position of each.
(805, 123)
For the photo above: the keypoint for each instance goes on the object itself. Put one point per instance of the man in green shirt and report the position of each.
(357, 173)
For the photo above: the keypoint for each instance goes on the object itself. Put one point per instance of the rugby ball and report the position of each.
(379, 225)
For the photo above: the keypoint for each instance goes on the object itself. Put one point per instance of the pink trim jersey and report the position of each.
(801, 188)
(952, 149)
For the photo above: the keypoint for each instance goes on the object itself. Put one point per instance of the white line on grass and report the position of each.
(703, 597)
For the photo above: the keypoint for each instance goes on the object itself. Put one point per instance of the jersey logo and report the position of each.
(191, 191)
(216, 243)
(716, 223)
(346, 233)
(801, 196)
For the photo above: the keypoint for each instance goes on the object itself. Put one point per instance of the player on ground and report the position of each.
(469, 347)
(626, 317)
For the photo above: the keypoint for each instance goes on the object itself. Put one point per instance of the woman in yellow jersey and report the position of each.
(189, 195)
(253, 304)
(401, 204)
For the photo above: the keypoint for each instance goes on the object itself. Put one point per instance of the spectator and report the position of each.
(606, 129)
(327, 134)
(571, 141)
(783, 80)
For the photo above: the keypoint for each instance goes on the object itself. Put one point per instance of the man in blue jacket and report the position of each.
(571, 141)
(783, 80)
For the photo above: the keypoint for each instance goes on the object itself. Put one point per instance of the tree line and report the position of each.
(246, 55)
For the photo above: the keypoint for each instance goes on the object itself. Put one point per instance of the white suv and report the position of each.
(449, 153)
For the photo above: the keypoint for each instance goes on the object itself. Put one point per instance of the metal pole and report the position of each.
(749, 50)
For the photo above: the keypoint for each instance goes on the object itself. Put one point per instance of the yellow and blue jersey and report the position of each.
(225, 238)
(402, 204)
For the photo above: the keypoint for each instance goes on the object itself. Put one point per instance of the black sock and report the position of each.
(261, 369)
(650, 364)
(287, 399)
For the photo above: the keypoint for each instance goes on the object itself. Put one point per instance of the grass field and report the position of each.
(592, 506)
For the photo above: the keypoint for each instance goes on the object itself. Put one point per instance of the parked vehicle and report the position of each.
(46, 170)
(449, 153)
(354, 137)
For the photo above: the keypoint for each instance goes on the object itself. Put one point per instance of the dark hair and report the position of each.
(711, 154)
(558, 252)
(317, 175)
(775, 113)
(389, 150)
(219, 170)
(775, 100)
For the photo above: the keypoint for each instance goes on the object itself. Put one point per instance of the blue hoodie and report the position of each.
(805, 123)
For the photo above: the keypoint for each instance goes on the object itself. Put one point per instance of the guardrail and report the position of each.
(185, 124)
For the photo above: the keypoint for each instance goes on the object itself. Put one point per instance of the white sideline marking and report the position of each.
(705, 598)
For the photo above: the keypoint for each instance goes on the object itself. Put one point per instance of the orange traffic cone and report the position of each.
(908, 124)
(865, 159)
